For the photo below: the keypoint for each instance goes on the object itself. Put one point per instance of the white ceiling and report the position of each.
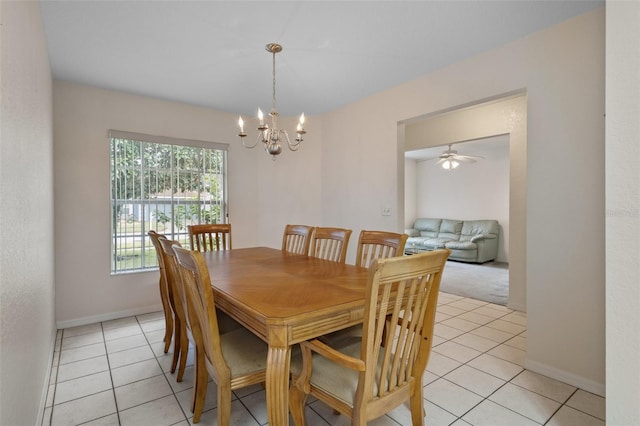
(211, 53)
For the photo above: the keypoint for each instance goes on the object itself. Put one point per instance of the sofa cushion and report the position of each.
(428, 227)
(412, 232)
(434, 243)
(475, 227)
(461, 245)
(450, 229)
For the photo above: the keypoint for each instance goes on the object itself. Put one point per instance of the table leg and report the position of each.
(277, 386)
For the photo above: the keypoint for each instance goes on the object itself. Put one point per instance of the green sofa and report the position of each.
(473, 241)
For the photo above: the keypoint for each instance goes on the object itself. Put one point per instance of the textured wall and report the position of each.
(623, 212)
(27, 327)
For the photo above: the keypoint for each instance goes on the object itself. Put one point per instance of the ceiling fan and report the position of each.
(450, 159)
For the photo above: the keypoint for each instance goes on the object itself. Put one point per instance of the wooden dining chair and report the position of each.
(372, 245)
(330, 243)
(182, 330)
(210, 236)
(296, 239)
(233, 360)
(164, 290)
(379, 245)
(373, 376)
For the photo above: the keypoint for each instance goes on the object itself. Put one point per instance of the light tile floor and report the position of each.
(116, 373)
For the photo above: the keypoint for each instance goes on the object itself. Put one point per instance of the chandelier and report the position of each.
(272, 137)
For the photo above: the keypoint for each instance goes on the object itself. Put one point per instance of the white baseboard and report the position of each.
(108, 316)
(517, 307)
(566, 377)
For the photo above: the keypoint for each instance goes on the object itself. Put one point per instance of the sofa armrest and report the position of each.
(483, 237)
(412, 232)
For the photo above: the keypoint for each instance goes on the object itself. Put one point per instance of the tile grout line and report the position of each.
(113, 387)
(164, 373)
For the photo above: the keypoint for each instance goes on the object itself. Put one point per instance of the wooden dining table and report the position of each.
(285, 299)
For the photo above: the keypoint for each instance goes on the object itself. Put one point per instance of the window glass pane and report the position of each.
(162, 187)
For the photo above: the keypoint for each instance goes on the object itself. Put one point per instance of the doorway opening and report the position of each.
(493, 187)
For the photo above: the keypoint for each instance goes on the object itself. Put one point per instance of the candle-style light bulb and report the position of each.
(241, 124)
(300, 129)
(260, 116)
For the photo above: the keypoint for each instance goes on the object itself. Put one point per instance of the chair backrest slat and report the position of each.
(374, 245)
(330, 243)
(210, 237)
(296, 239)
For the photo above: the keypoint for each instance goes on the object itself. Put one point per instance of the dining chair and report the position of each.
(233, 360)
(164, 290)
(210, 236)
(378, 373)
(182, 330)
(296, 239)
(379, 245)
(213, 237)
(372, 245)
(330, 243)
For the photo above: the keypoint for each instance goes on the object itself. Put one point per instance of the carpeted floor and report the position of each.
(488, 282)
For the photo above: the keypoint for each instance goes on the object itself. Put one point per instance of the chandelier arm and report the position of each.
(258, 139)
(293, 146)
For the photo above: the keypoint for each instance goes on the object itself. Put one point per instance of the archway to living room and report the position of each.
(494, 124)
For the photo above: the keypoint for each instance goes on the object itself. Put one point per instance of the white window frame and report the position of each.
(167, 211)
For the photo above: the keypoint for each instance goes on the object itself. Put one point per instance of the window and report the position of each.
(161, 184)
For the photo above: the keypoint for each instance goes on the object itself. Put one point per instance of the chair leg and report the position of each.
(224, 404)
(168, 333)
(297, 399)
(168, 320)
(201, 381)
(200, 377)
(416, 402)
(184, 354)
(177, 345)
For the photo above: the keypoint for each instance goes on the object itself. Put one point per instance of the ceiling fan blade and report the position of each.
(464, 159)
(473, 157)
(431, 158)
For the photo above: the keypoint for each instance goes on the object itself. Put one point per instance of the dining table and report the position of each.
(284, 299)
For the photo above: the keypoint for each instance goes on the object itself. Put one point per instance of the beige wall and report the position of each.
(623, 213)
(27, 327)
(264, 195)
(562, 71)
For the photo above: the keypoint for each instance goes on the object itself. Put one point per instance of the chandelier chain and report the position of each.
(273, 75)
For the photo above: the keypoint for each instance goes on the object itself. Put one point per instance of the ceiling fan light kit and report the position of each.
(450, 159)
